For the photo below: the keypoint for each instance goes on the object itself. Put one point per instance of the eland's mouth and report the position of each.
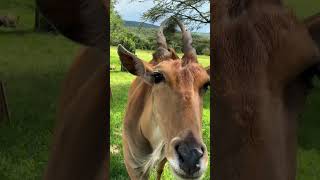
(183, 176)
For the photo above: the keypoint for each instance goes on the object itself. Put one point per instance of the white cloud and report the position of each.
(132, 11)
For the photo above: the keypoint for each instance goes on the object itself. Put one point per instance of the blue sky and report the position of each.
(132, 11)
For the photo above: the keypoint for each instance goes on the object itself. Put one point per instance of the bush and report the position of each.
(145, 39)
(206, 51)
(129, 44)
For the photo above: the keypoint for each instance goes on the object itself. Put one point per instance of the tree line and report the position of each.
(145, 38)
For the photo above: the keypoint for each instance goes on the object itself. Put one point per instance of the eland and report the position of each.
(163, 119)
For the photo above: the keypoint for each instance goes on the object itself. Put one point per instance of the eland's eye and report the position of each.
(157, 77)
(205, 87)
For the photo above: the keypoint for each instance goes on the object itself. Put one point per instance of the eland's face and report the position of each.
(177, 101)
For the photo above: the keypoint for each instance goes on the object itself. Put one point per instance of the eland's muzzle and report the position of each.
(190, 159)
(189, 155)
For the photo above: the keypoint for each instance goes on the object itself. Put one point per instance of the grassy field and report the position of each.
(120, 82)
(32, 66)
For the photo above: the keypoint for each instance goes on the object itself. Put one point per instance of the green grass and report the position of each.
(304, 8)
(32, 67)
(22, 8)
(309, 138)
(120, 82)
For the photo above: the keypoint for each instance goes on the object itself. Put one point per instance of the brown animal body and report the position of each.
(164, 112)
(9, 21)
(262, 70)
(80, 147)
(80, 136)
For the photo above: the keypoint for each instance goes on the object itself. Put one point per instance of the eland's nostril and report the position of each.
(197, 153)
(189, 157)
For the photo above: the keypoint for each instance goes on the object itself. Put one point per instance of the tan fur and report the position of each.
(162, 118)
(141, 119)
(261, 51)
(79, 150)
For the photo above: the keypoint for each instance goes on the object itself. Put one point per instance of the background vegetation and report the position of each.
(142, 36)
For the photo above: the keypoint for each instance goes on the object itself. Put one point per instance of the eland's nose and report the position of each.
(189, 157)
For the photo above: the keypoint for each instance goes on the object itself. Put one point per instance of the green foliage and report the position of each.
(116, 23)
(206, 51)
(145, 38)
(193, 12)
(129, 44)
(119, 35)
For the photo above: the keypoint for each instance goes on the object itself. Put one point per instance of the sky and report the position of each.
(132, 11)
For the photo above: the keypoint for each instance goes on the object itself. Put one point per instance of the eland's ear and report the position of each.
(83, 21)
(135, 65)
(313, 25)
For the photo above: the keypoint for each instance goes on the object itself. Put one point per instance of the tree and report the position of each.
(116, 23)
(194, 12)
(118, 34)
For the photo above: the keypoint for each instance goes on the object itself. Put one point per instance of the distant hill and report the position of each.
(136, 24)
(139, 24)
